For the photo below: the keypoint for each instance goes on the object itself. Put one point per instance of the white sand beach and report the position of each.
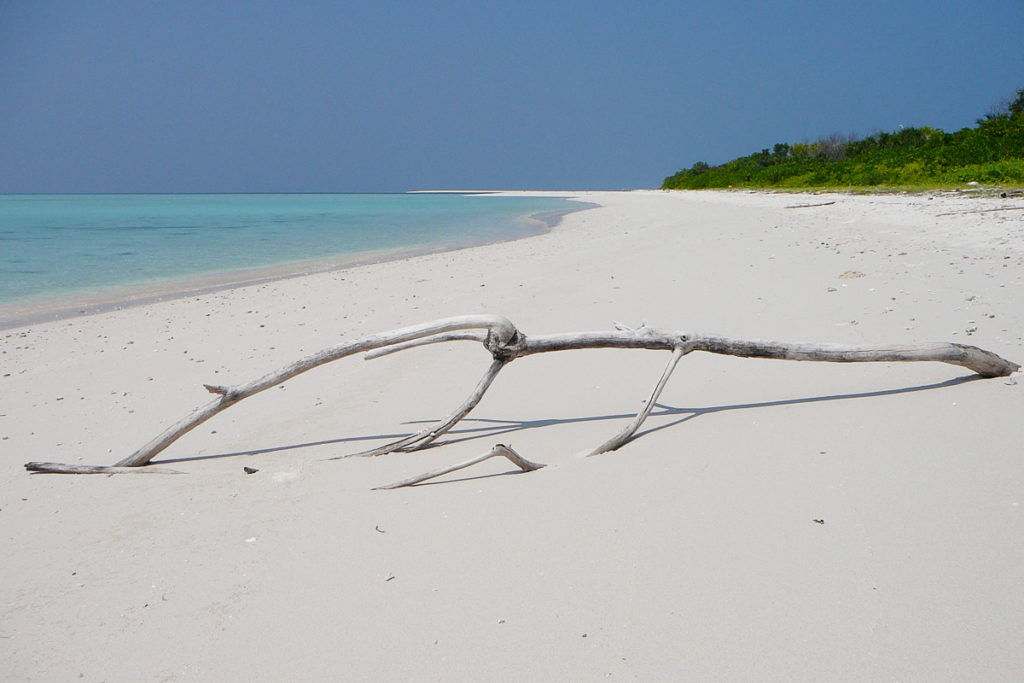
(775, 520)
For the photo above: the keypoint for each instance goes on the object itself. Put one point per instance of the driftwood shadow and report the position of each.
(491, 428)
(500, 427)
(506, 473)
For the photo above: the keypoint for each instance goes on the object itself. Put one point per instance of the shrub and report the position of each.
(991, 152)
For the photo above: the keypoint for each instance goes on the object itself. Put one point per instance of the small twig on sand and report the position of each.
(500, 449)
(808, 206)
(61, 468)
(1001, 208)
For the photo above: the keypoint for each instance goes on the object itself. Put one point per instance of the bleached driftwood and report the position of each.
(95, 469)
(809, 206)
(630, 429)
(499, 449)
(506, 343)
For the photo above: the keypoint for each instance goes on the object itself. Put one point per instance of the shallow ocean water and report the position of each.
(56, 245)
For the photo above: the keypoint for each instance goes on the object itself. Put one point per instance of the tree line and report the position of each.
(992, 152)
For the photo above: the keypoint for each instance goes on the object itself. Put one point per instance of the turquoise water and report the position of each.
(55, 245)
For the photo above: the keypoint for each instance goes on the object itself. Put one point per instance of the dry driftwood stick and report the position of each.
(1001, 208)
(471, 335)
(985, 363)
(420, 439)
(809, 206)
(500, 329)
(500, 449)
(60, 468)
(627, 433)
(505, 343)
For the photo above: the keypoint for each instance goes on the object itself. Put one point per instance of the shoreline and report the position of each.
(833, 521)
(54, 308)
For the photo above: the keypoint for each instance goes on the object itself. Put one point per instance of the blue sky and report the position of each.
(213, 96)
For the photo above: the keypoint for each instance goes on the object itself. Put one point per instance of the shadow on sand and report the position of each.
(490, 428)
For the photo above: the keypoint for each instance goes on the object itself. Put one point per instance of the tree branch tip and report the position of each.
(385, 351)
(215, 389)
(344, 456)
(63, 468)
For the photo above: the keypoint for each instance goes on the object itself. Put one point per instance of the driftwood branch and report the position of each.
(423, 438)
(809, 206)
(506, 343)
(1001, 208)
(500, 449)
(627, 433)
(471, 335)
(500, 330)
(61, 468)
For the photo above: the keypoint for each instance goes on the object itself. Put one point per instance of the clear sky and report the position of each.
(378, 96)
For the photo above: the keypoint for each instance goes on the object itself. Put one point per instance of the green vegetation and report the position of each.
(991, 153)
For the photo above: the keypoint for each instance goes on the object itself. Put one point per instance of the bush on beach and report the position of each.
(991, 152)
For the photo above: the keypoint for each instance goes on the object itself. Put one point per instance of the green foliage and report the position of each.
(1017, 105)
(992, 152)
